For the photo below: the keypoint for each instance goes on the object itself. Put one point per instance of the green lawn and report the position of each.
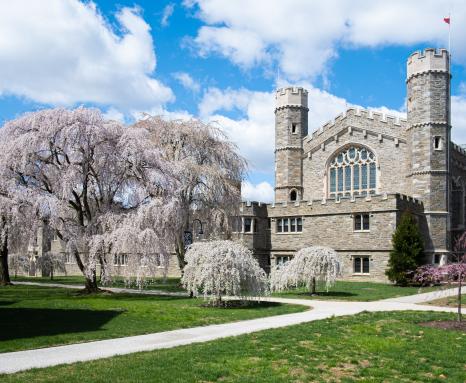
(355, 291)
(450, 302)
(32, 317)
(162, 284)
(343, 290)
(369, 347)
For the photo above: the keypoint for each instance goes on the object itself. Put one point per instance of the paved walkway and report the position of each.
(23, 360)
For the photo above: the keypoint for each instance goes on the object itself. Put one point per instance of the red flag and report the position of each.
(447, 19)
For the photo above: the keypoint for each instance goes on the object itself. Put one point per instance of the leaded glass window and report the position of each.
(353, 171)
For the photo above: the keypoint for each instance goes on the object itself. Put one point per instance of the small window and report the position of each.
(438, 143)
(282, 260)
(361, 222)
(290, 225)
(255, 226)
(285, 225)
(279, 225)
(294, 128)
(120, 259)
(437, 258)
(247, 225)
(293, 195)
(361, 265)
(299, 224)
(69, 259)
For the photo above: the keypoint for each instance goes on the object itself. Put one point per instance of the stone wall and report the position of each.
(331, 223)
(384, 136)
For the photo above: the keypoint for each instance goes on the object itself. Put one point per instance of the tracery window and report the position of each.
(353, 171)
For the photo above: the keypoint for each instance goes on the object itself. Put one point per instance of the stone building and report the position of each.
(346, 184)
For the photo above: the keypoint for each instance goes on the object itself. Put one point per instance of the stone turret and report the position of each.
(290, 128)
(428, 88)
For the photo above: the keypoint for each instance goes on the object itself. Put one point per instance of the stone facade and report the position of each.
(383, 166)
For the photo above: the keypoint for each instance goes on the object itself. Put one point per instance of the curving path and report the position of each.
(45, 357)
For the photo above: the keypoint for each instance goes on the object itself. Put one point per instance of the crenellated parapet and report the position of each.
(428, 61)
(361, 122)
(373, 203)
(291, 97)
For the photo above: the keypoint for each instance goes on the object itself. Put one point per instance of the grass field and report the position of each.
(369, 347)
(356, 291)
(343, 290)
(163, 284)
(450, 302)
(32, 317)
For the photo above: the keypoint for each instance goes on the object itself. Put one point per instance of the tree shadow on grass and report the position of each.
(6, 303)
(17, 323)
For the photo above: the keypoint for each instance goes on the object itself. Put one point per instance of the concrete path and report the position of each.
(23, 360)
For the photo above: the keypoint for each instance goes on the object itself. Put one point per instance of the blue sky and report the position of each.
(220, 60)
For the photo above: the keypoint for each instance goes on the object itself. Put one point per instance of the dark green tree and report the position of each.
(408, 250)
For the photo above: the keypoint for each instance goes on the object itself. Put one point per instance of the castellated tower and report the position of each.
(290, 129)
(428, 83)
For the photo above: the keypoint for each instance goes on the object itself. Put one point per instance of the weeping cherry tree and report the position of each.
(100, 186)
(208, 171)
(308, 266)
(222, 268)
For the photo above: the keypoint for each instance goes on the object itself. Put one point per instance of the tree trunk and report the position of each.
(4, 272)
(313, 286)
(180, 251)
(91, 284)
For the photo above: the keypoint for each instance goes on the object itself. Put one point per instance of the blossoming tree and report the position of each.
(16, 229)
(209, 171)
(222, 267)
(308, 266)
(102, 188)
(452, 273)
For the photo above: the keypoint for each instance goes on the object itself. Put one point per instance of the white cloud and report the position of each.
(262, 192)
(187, 81)
(63, 52)
(303, 35)
(166, 14)
(254, 132)
(114, 114)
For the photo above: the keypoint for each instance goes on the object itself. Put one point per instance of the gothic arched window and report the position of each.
(352, 171)
(293, 195)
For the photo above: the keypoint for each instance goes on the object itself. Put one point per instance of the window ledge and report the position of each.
(289, 232)
(361, 231)
(361, 274)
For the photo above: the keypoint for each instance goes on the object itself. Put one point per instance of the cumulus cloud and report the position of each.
(303, 35)
(63, 52)
(187, 81)
(262, 192)
(166, 14)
